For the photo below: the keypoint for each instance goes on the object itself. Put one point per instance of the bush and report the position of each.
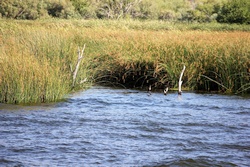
(35, 9)
(85, 8)
(235, 11)
(30, 9)
(61, 8)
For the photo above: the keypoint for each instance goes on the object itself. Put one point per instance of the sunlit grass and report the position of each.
(210, 57)
(36, 57)
(35, 64)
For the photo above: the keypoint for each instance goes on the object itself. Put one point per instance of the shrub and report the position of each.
(85, 8)
(34, 9)
(235, 11)
(30, 9)
(61, 8)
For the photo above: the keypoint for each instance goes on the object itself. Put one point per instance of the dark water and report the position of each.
(115, 127)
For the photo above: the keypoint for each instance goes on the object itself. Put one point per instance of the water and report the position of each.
(116, 127)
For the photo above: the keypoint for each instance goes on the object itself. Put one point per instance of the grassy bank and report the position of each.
(35, 63)
(36, 57)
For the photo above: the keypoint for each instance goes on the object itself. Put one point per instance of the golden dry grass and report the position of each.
(36, 57)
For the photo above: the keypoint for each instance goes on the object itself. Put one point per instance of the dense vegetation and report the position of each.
(132, 43)
(37, 56)
(226, 11)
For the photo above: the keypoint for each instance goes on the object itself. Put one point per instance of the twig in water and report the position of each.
(165, 91)
(149, 90)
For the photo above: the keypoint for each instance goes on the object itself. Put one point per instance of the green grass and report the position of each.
(36, 56)
(155, 25)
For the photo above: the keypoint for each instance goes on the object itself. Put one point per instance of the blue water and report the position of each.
(117, 127)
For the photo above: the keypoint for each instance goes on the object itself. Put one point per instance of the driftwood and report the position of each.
(75, 71)
(180, 80)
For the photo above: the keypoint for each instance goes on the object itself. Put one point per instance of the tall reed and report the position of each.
(35, 64)
(216, 61)
(35, 58)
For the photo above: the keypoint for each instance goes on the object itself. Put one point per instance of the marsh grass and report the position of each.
(35, 64)
(36, 57)
(216, 61)
(128, 24)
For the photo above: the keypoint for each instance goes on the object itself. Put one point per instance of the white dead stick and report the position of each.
(80, 56)
(180, 81)
(165, 91)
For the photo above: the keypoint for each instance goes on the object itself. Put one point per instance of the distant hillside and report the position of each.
(169, 10)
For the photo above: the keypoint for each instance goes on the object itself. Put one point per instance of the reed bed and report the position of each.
(35, 64)
(36, 57)
(216, 61)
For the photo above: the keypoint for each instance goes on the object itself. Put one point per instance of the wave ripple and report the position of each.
(115, 127)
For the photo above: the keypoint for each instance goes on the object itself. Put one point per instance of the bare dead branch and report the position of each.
(180, 80)
(80, 56)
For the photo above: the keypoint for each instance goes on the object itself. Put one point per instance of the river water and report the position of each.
(118, 127)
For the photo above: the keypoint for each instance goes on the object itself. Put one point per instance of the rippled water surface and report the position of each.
(116, 127)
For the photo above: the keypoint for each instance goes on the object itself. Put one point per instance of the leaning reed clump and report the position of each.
(36, 56)
(35, 64)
